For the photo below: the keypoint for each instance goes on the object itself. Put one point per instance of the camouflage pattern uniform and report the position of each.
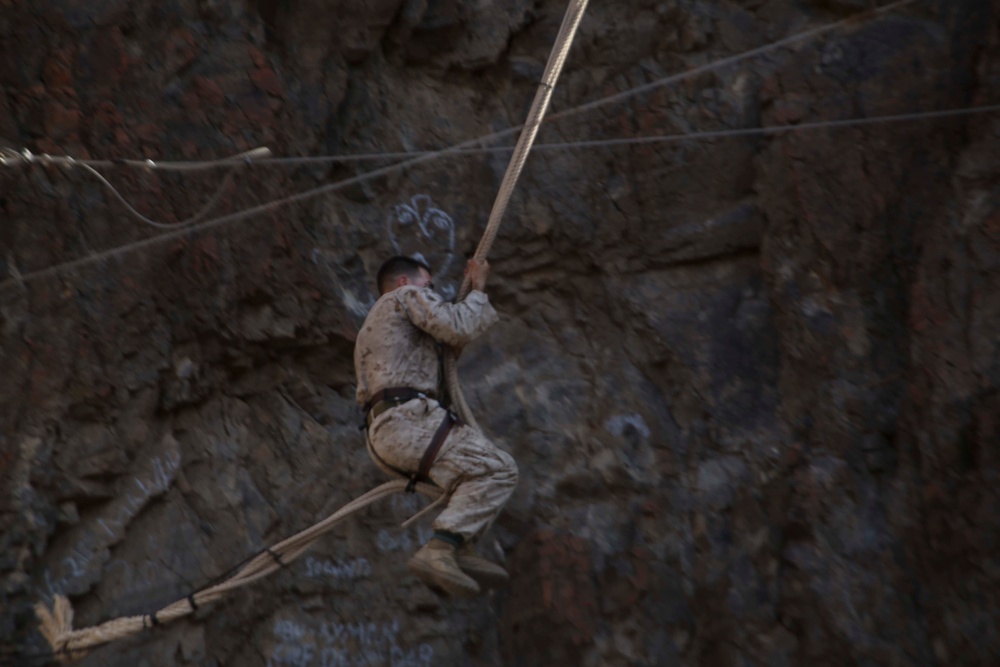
(396, 347)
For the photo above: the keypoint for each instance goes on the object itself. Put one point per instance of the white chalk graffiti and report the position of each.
(335, 644)
(393, 540)
(354, 569)
(291, 654)
(421, 230)
(618, 424)
(406, 504)
(351, 301)
(355, 305)
(86, 557)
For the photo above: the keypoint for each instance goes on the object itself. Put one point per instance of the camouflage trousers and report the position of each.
(479, 476)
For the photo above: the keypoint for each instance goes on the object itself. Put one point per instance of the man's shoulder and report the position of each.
(381, 308)
(392, 304)
(412, 292)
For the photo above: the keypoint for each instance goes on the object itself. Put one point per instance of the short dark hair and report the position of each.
(397, 266)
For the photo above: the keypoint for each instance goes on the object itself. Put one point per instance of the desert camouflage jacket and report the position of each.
(397, 344)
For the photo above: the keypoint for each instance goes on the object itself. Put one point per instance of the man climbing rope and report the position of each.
(396, 358)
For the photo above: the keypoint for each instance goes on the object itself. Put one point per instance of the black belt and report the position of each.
(391, 397)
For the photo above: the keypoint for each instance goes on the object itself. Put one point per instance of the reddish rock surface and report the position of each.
(753, 383)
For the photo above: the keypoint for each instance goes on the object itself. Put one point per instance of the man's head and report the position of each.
(398, 271)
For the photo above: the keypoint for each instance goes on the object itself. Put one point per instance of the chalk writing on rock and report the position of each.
(357, 568)
(355, 304)
(394, 540)
(419, 229)
(405, 504)
(340, 644)
(619, 425)
(85, 558)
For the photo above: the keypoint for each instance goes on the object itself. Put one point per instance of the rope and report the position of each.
(595, 143)
(599, 143)
(11, 157)
(56, 624)
(564, 40)
(164, 225)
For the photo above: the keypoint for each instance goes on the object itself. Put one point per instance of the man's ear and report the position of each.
(402, 280)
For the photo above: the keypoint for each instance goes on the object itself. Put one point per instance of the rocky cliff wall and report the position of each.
(751, 383)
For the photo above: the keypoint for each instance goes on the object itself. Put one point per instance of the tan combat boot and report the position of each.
(486, 573)
(435, 564)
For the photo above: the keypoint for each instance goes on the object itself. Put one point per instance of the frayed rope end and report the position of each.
(56, 625)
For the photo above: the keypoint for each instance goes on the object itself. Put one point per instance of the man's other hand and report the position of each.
(478, 271)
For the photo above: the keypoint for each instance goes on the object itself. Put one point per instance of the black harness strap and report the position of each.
(430, 454)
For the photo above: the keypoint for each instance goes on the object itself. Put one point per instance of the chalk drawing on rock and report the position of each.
(353, 304)
(358, 643)
(421, 230)
(393, 540)
(619, 425)
(86, 557)
(354, 569)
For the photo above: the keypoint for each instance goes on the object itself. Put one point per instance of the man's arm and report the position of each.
(452, 323)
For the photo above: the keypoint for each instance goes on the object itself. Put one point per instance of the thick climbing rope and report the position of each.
(67, 644)
(564, 40)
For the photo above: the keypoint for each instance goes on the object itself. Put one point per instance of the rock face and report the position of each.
(752, 383)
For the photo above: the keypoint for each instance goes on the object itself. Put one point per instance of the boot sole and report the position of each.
(435, 578)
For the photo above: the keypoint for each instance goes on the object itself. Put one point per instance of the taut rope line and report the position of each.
(563, 145)
(646, 139)
(12, 158)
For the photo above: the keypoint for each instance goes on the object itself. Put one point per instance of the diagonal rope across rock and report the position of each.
(472, 144)
(56, 624)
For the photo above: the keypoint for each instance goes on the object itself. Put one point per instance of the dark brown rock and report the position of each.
(752, 383)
